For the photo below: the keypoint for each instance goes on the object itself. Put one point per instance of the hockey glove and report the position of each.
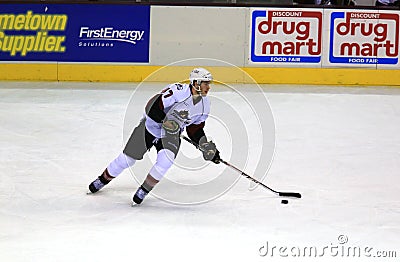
(210, 152)
(171, 127)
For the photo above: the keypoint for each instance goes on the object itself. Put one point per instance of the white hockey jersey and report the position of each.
(178, 105)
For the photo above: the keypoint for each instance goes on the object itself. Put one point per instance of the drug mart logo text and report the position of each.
(364, 38)
(286, 36)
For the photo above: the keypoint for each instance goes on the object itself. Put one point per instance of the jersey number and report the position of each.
(167, 92)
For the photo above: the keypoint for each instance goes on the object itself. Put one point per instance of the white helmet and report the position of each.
(199, 75)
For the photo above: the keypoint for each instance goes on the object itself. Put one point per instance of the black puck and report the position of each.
(284, 201)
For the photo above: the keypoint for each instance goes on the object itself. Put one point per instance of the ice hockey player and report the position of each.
(167, 114)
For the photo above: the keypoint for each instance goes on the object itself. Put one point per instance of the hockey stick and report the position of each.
(282, 194)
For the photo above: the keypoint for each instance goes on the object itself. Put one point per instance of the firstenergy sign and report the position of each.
(110, 34)
(75, 33)
(286, 36)
(30, 32)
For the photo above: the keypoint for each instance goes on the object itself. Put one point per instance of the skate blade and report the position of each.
(134, 204)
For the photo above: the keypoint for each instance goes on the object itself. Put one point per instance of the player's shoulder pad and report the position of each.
(180, 91)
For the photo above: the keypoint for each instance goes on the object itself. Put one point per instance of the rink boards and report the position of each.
(61, 42)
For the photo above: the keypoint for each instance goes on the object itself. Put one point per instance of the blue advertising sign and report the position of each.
(74, 33)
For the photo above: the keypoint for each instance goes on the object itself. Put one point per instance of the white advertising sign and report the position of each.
(362, 38)
(286, 36)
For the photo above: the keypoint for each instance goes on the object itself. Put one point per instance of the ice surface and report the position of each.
(339, 147)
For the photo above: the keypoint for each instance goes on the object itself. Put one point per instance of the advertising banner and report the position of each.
(74, 33)
(286, 36)
(363, 38)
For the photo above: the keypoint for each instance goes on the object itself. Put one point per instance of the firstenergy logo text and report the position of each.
(286, 36)
(24, 33)
(108, 34)
(364, 38)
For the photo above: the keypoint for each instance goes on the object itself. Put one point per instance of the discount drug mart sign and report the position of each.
(286, 36)
(364, 37)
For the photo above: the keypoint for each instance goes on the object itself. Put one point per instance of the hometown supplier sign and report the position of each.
(364, 38)
(74, 33)
(286, 36)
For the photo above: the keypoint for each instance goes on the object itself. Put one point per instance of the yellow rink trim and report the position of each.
(326, 76)
(28, 72)
(138, 73)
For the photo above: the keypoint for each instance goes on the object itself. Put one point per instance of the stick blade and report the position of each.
(290, 194)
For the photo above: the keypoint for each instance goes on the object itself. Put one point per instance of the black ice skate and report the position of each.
(99, 182)
(140, 194)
